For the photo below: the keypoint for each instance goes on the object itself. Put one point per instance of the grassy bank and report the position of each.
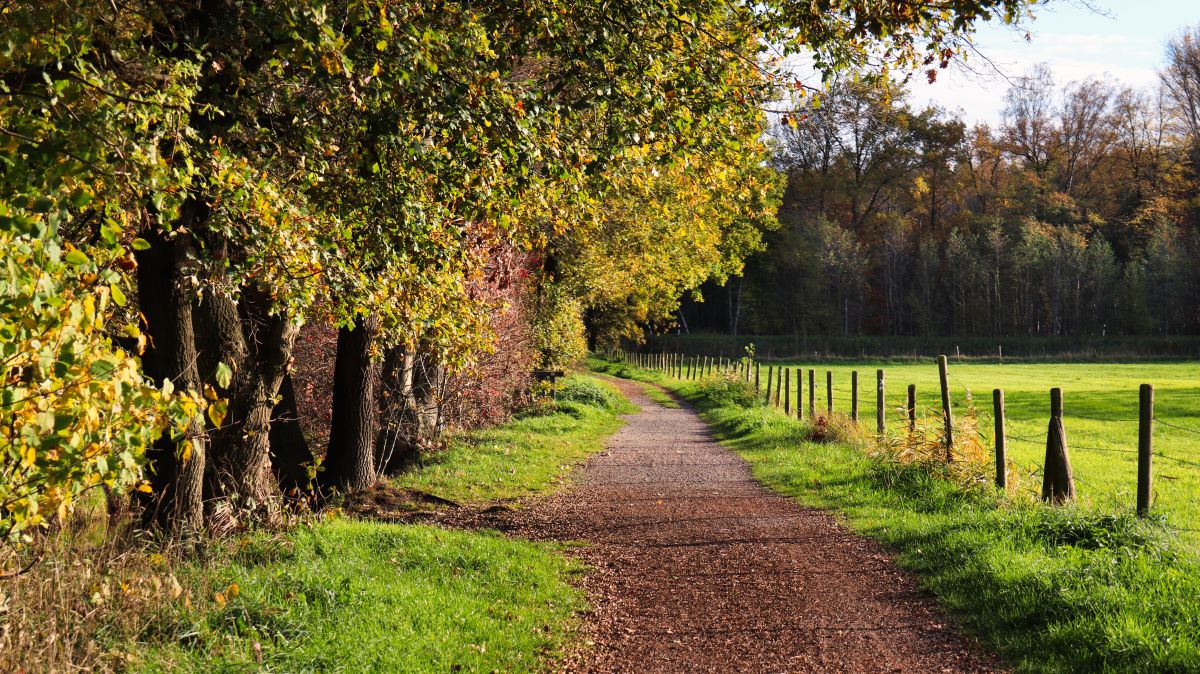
(330, 593)
(1050, 589)
(528, 455)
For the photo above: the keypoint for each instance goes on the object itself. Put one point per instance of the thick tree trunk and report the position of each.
(256, 346)
(350, 459)
(166, 301)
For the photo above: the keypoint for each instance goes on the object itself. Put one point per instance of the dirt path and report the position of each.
(697, 568)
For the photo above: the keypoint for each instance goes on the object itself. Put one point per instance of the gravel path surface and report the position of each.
(697, 568)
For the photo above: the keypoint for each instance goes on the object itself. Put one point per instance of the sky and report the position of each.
(1119, 41)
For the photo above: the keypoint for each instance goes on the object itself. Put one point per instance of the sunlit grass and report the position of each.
(523, 457)
(368, 597)
(1100, 415)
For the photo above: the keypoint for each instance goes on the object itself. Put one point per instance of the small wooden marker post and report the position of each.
(854, 395)
(879, 402)
(812, 392)
(1001, 460)
(943, 377)
(1058, 482)
(757, 379)
(770, 381)
(912, 408)
(829, 391)
(1145, 448)
(787, 391)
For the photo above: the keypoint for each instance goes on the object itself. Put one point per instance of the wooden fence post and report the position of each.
(912, 408)
(757, 376)
(1058, 482)
(787, 391)
(799, 392)
(812, 392)
(943, 377)
(829, 391)
(854, 395)
(779, 384)
(770, 381)
(1001, 459)
(1145, 448)
(880, 402)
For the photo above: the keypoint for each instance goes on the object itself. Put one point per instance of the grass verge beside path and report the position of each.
(529, 455)
(358, 596)
(1055, 590)
(337, 594)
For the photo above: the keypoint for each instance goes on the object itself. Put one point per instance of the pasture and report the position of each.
(1100, 415)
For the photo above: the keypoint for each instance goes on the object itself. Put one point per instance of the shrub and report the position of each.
(729, 390)
(76, 411)
(588, 392)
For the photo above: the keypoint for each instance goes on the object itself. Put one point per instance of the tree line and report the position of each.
(217, 213)
(1077, 215)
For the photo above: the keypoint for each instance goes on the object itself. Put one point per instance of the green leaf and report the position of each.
(140, 244)
(76, 258)
(118, 295)
(224, 375)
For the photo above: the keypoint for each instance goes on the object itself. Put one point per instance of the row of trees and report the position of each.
(196, 196)
(1076, 216)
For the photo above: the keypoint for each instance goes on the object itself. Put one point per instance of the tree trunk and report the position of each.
(166, 301)
(350, 460)
(256, 346)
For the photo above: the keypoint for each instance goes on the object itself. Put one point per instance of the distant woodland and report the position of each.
(1076, 215)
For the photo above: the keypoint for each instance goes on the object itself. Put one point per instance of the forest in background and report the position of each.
(1076, 216)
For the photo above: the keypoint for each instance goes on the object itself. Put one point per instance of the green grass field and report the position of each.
(1100, 416)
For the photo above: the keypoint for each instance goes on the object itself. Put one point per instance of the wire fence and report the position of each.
(1108, 481)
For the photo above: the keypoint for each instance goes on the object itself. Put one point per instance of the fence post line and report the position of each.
(1145, 448)
(943, 378)
(854, 395)
(912, 408)
(879, 402)
(1001, 459)
(829, 391)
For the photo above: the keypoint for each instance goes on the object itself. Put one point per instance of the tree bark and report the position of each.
(350, 459)
(256, 346)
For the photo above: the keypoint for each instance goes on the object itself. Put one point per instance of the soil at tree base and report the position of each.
(695, 567)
